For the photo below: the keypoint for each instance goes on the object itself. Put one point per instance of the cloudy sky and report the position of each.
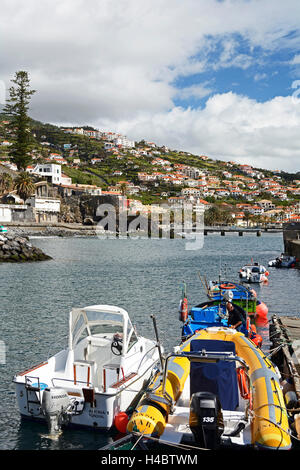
(213, 77)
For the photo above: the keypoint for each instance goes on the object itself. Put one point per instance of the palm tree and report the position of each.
(247, 217)
(6, 183)
(24, 185)
(123, 189)
(256, 220)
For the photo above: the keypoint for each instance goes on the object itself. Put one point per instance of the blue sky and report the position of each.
(250, 71)
(220, 78)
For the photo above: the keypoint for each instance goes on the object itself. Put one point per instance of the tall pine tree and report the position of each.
(16, 110)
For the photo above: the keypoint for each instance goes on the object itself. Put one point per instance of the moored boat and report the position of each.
(217, 390)
(283, 261)
(254, 273)
(209, 314)
(95, 378)
(243, 296)
(215, 312)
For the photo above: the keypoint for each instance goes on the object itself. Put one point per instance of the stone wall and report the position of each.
(291, 240)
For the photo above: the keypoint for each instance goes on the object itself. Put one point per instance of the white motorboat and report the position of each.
(254, 273)
(99, 374)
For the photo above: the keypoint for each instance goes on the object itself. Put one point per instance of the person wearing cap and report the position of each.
(236, 314)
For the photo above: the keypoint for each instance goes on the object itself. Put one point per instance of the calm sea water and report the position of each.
(142, 276)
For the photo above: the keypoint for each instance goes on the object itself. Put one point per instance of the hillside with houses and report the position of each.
(72, 168)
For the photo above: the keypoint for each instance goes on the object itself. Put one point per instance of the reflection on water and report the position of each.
(142, 276)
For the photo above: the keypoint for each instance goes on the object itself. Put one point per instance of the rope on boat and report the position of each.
(287, 431)
(275, 350)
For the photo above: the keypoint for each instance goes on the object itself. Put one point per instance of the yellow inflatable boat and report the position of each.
(217, 389)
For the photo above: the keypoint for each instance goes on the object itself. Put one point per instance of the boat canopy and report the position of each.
(254, 268)
(100, 321)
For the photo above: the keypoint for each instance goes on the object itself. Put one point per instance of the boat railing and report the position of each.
(67, 380)
(145, 356)
(200, 356)
(121, 388)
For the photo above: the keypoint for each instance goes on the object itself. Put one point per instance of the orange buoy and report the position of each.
(261, 316)
(262, 310)
(121, 421)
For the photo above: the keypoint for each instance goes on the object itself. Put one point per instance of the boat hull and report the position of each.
(97, 415)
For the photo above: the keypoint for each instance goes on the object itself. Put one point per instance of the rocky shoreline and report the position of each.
(15, 248)
(49, 231)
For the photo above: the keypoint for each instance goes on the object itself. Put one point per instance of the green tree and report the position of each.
(16, 109)
(123, 189)
(217, 216)
(6, 183)
(24, 185)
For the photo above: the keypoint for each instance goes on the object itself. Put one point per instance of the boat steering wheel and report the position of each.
(116, 346)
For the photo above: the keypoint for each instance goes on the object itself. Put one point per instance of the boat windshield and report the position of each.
(98, 322)
(255, 269)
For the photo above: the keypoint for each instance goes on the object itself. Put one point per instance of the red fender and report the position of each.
(183, 310)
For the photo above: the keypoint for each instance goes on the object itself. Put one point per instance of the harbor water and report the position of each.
(144, 276)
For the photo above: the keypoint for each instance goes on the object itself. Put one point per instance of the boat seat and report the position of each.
(83, 371)
(218, 377)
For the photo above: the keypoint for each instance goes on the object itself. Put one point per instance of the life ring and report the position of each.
(243, 382)
(184, 310)
(227, 286)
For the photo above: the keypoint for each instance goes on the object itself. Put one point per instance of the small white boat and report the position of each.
(283, 261)
(254, 273)
(98, 375)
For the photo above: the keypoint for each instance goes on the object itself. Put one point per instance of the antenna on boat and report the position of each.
(204, 283)
(158, 342)
(183, 289)
(220, 271)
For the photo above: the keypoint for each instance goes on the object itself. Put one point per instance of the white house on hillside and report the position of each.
(50, 171)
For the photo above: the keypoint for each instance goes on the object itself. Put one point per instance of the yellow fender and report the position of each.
(152, 412)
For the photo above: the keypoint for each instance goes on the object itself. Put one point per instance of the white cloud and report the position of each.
(118, 64)
(230, 127)
(295, 60)
(260, 76)
(194, 91)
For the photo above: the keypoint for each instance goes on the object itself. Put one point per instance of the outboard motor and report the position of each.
(206, 420)
(56, 406)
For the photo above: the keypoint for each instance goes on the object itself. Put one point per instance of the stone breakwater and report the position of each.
(54, 232)
(15, 248)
